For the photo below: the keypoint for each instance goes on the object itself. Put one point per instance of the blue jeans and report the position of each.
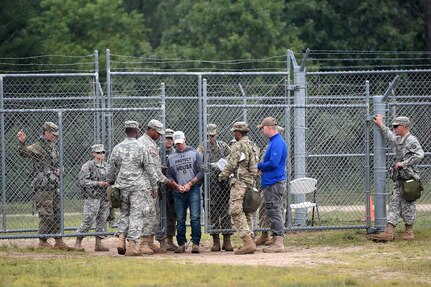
(192, 200)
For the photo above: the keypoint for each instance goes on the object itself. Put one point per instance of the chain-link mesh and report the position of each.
(327, 135)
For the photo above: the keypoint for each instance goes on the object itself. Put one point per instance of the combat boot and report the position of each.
(144, 247)
(163, 246)
(132, 250)
(388, 235)
(121, 247)
(216, 243)
(227, 245)
(78, 242)
(171, 244)
(59, 244)
(248, 247)
(153, 247)
(43, 243)
(99, 246)
(262, 239)
(407, 234)
(276, 247)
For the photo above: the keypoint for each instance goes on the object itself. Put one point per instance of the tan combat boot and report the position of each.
(388, 235)
(277, 245)
(99, 246)
(227, 245)
(407, 234)
(121, 247)
(153, 247)
(163, 246)
(144, 247)
(43, 243)
(195, 248)
(78, 242)
(132, 250)
(262, 239)
(216, 243)
(59, 244)
(171, 244)
(248, 247)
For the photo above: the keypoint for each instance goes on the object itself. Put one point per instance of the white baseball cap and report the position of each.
(179, 137)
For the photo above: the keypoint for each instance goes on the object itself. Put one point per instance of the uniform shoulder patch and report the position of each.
(414, 146)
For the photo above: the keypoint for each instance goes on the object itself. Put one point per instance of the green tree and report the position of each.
(357, 25)
(223, 30)
(78, 27)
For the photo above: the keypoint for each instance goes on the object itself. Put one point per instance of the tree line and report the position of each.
(213, 30)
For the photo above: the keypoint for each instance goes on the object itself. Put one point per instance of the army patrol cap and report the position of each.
(98, 148)
(179, 137)
(212, 129)
(240, 126)
(131, 124)
(51, 127)
(269, 121)
(169, 133)
(158, 126)
(401, 121)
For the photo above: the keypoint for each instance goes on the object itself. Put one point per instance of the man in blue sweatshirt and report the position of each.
(185, 176)
(273, 175)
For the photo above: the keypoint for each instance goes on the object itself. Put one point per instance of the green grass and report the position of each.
(350, 259)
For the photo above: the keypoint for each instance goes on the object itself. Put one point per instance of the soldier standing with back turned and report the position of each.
(46, 182)
(242, 163)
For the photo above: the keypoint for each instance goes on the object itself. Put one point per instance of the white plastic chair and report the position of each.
(305, 185)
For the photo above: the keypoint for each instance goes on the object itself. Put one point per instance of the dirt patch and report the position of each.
(292, 256)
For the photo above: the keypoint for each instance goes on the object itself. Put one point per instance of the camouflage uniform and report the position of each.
(96, 206)
(244, 168)
(154, 151)
(219, 191)
(45, 183)
(134, 173)
(409, 152)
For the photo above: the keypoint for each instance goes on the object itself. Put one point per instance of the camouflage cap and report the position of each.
(131, 124)
(97, 148)
(401, 121)
(158, 126)
(169, 133)
(269, 121)
(240, 126)
(179, 137)
(51, 127)
(212, 129)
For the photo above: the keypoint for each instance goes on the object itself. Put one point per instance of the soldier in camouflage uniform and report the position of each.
(219, 191)
(408, 154)
(134, 173)
(242, 164)
(45, 183)
(148, 139)
(93, 184)
(170, 202)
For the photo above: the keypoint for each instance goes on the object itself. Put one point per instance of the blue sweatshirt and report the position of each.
(274, 161)
(184, 165)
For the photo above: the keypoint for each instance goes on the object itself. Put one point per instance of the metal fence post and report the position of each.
(200, 120)
(367, 155)
(379, 168)
(97, 96)
(3, 157)
(299, 131)
(206, 156)
(61, 163)
(108, 97)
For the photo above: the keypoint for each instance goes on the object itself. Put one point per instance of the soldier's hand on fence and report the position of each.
(21, 136)
(102, 184)
(378, 119)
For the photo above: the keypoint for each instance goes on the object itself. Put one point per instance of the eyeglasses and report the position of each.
(100, 152)
(395, 126)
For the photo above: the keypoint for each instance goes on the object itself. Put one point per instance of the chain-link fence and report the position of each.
(326, 118)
